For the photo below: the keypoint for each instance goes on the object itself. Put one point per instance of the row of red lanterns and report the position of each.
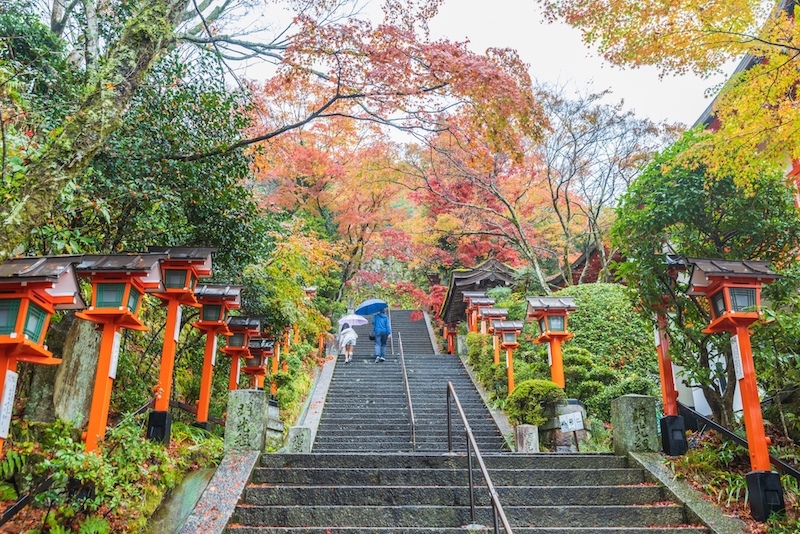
(733, 291)
(33, 288)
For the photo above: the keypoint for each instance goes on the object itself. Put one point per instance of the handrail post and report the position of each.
(472, 445)
(411, 419)
(449, 422)
(471, 481)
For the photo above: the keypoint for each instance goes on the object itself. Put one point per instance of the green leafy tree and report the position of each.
(674, 206)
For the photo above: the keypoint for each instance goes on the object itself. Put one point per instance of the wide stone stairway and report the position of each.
(369, 472)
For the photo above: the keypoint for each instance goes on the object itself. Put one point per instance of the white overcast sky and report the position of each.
(556, 55)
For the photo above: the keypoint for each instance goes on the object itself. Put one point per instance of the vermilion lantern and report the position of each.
(31, 290)
(508, 332)
(238, 343)
(118, 283)
(733, 289)
(180, 270)
(216, 302)
(550, 313)
(256, 365)
(490, 315)
(471, 311)
(479, 305)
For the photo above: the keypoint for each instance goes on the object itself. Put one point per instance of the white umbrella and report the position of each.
(353, 320)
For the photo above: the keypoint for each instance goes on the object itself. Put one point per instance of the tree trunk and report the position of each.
(146, 35)
(65, 391)
(74, 384)
(39, 404)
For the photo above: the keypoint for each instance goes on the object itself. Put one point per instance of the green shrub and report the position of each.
(530, 399)
(607, 325)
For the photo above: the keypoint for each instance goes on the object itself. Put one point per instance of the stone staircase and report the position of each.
(427, 494)
(365, 474)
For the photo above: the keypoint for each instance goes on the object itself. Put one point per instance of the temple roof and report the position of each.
(487, 275)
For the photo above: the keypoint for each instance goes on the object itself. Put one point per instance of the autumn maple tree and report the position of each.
(388, 72)
(756, 109)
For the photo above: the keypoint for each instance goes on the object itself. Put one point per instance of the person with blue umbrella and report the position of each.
(381, 329)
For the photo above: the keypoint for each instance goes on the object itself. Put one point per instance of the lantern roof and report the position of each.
(543, 304)
(708, 273)
(144, 265)
(507, 326)
(55, 273)
(198, 257)
(227, 293)
(240, 322)
(260, 343)
(494, 312)
(470, 295)
(482, 302)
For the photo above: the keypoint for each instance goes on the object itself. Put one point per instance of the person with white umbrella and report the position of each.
(347, 341)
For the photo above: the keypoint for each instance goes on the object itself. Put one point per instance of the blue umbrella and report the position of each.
(370, 306)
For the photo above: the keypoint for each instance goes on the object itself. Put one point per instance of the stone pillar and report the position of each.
(299, 440)
(461, 345)
(634, 424)
(246, 423)
(526, 438)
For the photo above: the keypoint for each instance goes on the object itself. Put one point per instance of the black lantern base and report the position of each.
(204, 425)
(159, 426)
(766, 494)
(673, 435)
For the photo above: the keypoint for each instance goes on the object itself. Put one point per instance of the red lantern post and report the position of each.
(31, 290)
(472, 311)
(118, 283)
(238, 344)
(449, 333)
(733, 289)
(551, 314)
(256, 365)
(490, 315)
(216, 302)
(479, 306)
(181, 269)
(509, 332)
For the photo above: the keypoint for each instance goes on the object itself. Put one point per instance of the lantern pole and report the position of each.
(103, 383)
(209, 359)
(557, 364)
(171, 331)
(8, 364)
(510, 369)
(233, 379)
(673, 427)
(757, 440)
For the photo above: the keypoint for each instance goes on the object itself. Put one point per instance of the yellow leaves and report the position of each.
(676, 35)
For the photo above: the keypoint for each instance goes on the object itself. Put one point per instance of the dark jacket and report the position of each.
(381, 324)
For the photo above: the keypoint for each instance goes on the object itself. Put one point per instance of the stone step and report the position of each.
(449, 516)
(268, 495)
(446, 461)
(244, 529)
(427, 477)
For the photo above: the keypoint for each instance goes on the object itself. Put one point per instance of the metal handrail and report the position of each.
(411, 419)
(779, 464)
(497, 508)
